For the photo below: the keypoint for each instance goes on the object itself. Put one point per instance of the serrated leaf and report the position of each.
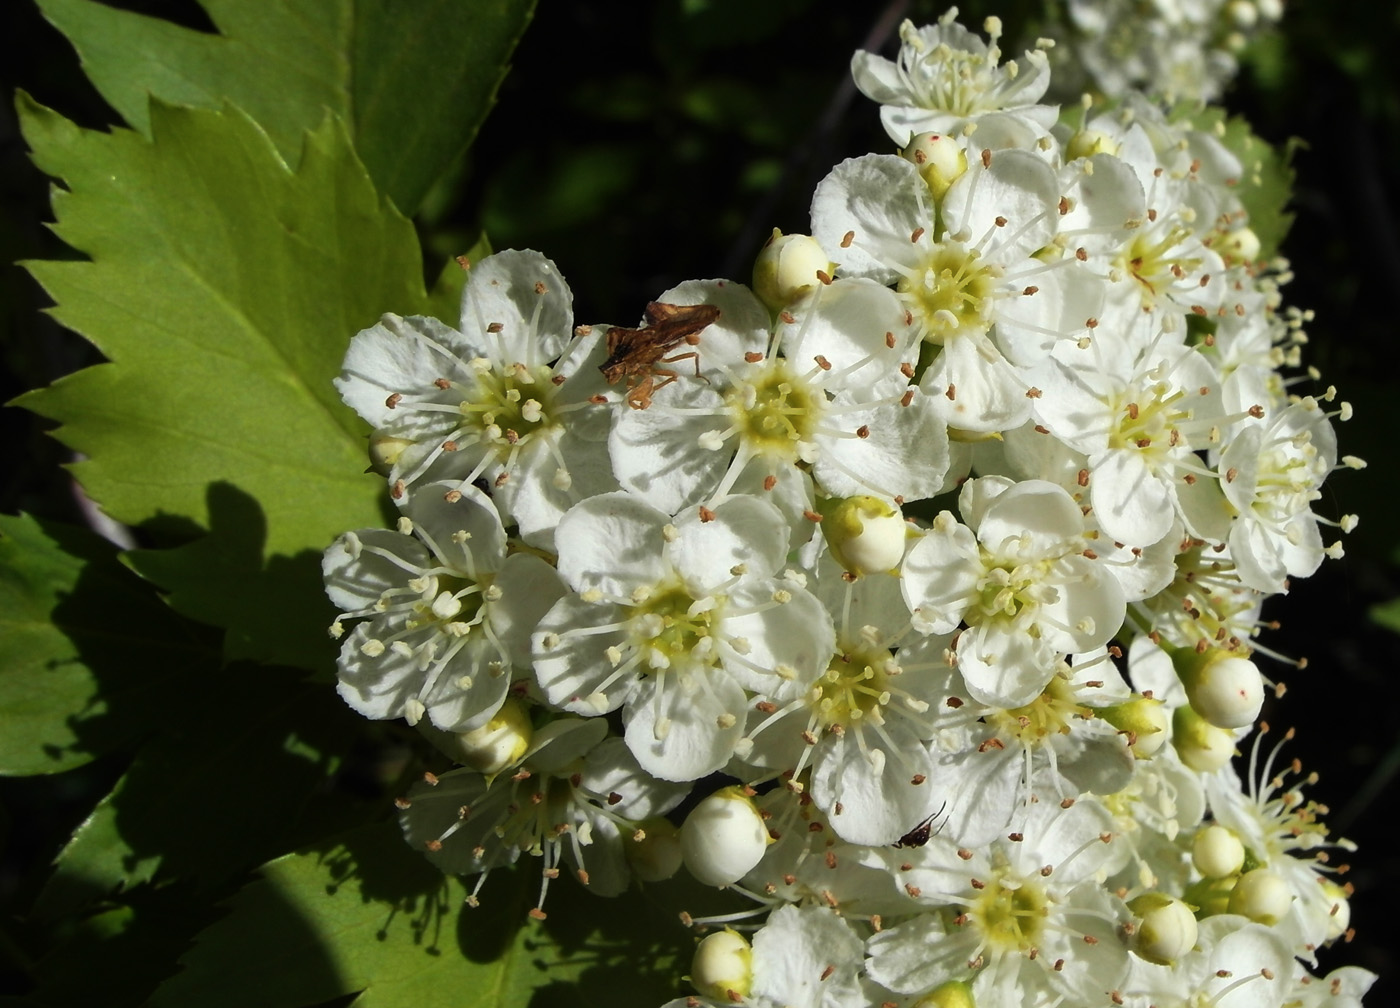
(372, 916)
(223, 288)
(413, 81)
(89, 649)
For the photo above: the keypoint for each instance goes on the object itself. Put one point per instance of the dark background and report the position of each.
(640, 145)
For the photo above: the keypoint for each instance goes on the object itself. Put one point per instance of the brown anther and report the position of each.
(811, 516)
(1064, 205)
(540, 288)
(889, 340)
(495, 327)
(402, 803)
(916, 234)
(863, 431)
(1028, 291)
(1066, 802)
(452, 496)
(1000, 221)
(954, 702)
(907, 398)
(464, 262)
(830, 859)
(769, 482)
(538, 914)
(986, 158)
(433, 845)
(822, 362)
(430, 779)
(398, 490)
(1033, 393)
(952, 392)
(847, 238)
(1081, 254)
(442, 383)
(827, 972)
(824, 277)
(977, 884)
(1091, 323)
(1015, 837)
(787, 317)
(991, 744)
(907, 370)
(501, 480)
(815, 827)
(706, 515)
(913, 890)
(449, 446)
(393, 400)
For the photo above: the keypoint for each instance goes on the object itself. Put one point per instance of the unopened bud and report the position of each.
(1239, 246)
(1261, 895)
(1217, 852)
(499, 743)
(940, 160)
(657, 855)
(866, 534)
(1144, 719)
(723, 838)
(384, 451)
(787, 267)
(1224, 688)
(1201, 746)
(722, 968)
(951, 994)
(1166, 928)
(1088, 142)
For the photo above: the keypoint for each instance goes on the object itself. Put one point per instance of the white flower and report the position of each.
(863, 727)
(509, 399)
(1273, 473)
(674, 621)
(825, 399)
(575, 796)
(974, 285)
(803, 957)
(1030, 918)
(1023, 580)
(447, 612)
(1235, 964)
(947, 79)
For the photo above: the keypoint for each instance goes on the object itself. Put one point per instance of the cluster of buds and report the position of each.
(946, 542)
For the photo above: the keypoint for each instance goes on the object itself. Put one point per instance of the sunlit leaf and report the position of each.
(413, 81)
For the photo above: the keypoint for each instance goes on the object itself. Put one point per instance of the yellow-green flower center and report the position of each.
(1149, 260)
(669, 629)
(1010, 912)
(950, 292)
(853, 686)
(511, 403)
(776, 411)
(1048, 714)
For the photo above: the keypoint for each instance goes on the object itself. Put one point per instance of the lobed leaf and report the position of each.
(412, 81)
(223, 287)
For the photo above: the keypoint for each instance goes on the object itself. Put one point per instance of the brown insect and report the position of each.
(919, 835)
(635, 354)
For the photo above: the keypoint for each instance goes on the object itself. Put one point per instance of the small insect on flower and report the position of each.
(919, 835)
(635, 353)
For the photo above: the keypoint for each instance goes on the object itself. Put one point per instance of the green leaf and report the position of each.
(240, 777)
(373, 916)
(91, 653)
(224, 288)
(412, 80)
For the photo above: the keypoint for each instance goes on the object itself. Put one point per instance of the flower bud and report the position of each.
(940, 160)
(1261, 895)
(656, 856)
(1239, 246)
(1217, 852)
(787, 267)
(1166, 928)
(723, 837)
(951, 994)
(384, 451)
(1144, 719)
(1201, 746)
(499, 743)
(722, 968)
(1224, 688)
(866, 534)
(1088, 142)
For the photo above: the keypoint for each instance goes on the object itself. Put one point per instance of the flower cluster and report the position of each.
(946, 542)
